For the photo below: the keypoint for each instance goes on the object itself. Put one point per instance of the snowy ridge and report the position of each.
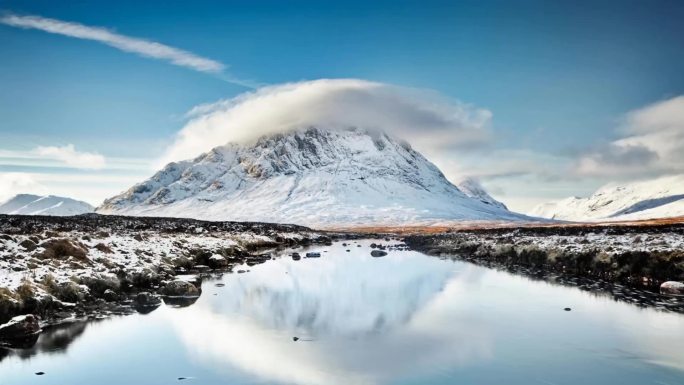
(657, 198)
(28, 204)
(312, 177)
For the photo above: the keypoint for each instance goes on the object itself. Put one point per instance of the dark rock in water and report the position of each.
(295, 339)
(110, 296)
(348, 250)
(180, 288)
(672, 288)
(373, 245)
(358, 245)
(217, 261)
(21, 331)
(313, 254)
(39, 373)
(220, 285)
(296, 256)
(378, 253)
(567, 309)
(145, 302)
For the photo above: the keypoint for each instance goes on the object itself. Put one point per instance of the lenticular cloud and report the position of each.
(426, 119)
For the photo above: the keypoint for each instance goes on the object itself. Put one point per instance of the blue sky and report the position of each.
(559, 78)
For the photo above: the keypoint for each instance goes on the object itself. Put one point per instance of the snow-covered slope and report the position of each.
(313, 177)
(657, 198)
(27, 204)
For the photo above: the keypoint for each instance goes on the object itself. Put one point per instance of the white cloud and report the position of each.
(651, 144)
(138, 46)
(13, 183)
(69, 156)
(427, 120)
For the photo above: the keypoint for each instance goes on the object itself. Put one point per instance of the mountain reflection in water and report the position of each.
(359, 319)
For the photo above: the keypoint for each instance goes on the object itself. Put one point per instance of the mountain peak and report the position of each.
(311, 176)
(30, 204)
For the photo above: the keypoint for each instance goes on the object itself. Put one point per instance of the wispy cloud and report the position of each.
(125, 43)
(53, 156)
(69, 156)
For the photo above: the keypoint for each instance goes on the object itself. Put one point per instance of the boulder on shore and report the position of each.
(672, 288)
(20, 327)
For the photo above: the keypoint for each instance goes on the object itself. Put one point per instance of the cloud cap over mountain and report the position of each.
(427, 119)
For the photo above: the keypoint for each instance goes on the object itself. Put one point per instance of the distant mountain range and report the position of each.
(314, 177)
(27, 204)
(656, 198)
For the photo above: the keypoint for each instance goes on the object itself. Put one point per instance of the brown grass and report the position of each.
(465, 226)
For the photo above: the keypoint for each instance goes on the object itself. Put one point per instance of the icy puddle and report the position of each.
(400, 319)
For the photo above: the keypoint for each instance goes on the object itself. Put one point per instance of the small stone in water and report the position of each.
(295, 339)
(567, 309)
(39, 373)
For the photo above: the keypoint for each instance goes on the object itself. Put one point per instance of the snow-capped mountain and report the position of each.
(472, 188)
(27, 204)
(657, 198)
(313, 177)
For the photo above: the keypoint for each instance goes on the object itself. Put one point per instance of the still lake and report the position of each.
(405, 318)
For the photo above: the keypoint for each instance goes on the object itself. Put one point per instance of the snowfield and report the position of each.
(314, 177)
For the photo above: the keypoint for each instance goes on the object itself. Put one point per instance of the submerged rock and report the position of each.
(378, 253)
(672, 288)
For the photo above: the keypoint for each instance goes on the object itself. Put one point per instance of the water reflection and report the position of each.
(55, 339)
(401, 319)
(360, 320)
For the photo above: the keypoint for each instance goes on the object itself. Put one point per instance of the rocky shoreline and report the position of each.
(638, 264)
(91, 266)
